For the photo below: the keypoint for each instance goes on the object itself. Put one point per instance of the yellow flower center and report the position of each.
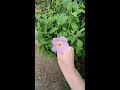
(59, 44)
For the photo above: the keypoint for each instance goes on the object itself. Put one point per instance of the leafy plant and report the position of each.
(62, 18)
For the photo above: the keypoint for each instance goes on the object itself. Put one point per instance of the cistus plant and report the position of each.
(62, 18)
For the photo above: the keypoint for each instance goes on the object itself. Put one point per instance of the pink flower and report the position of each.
(59, 44)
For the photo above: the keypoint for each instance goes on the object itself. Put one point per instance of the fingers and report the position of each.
(69, 49)
(59, 55)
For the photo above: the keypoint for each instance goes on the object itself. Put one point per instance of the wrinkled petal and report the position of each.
(59, 49)
(62, 48)
(65, 43)
(63, 39)
(55, 40)
(54, 49)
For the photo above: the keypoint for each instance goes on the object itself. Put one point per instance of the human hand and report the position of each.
(66, 63)
(66, 60)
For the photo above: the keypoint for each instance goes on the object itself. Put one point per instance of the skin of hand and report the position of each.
(66, 63)
(66, 60)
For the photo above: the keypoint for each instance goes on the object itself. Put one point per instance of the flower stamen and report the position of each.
(59, 44)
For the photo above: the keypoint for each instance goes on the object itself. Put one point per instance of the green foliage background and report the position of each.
(55, 18)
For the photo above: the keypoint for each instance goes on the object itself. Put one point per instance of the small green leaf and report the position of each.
(44, 20)
(38, 34)
(75, 5)
(57, 2)
(50, 20)
(59, 34)
(83, 24)
(64, 28)
(79, 44)
(80, 11)
(62, 19)
(83, 29)
(77, 51)
(73, 39)
(73, 31)
(50, 45)
(64, 3)
(44, 16)
(69, 7)
(65, 34)
(37, 15)
(69, 38)
(74, 26)
(74, 14)
(82, 34)
(79, 32)
(38, 25)
(56, 16)
(42, 41)
(53, 30)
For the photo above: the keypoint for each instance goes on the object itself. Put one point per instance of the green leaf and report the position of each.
(73, 31)
(59, 34)
(62, 19)
(73, 39)
(57, 2)
(44, 16)
(74, 26)
(43, 20)
(74, 14)
(42, 41)
(64, 28)
(50, 19)
(79, 44)
(83, 24)
(37, 15)
(75, 5)
(50, 45)
(69, 38)
(77, 51)
(53, 30)
(82, 34)
(83, 29)
(38, 25)
(79, 32)
(56, 16)
(64, 3)
(65, 34)
(38, 34)
(69, 7)
(80, 11)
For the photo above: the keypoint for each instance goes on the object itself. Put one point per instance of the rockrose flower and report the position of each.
(59, 44)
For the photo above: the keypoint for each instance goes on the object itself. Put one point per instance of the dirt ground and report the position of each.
(48, 75)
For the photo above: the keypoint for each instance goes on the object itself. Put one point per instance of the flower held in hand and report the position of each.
(59, 44)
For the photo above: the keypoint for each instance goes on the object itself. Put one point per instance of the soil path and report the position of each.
(48, 75)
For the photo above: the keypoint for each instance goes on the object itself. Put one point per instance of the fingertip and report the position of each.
(71, 48)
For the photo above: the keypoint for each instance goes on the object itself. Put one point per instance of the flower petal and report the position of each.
(63, 39)
(61, 48)
(54, 49)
